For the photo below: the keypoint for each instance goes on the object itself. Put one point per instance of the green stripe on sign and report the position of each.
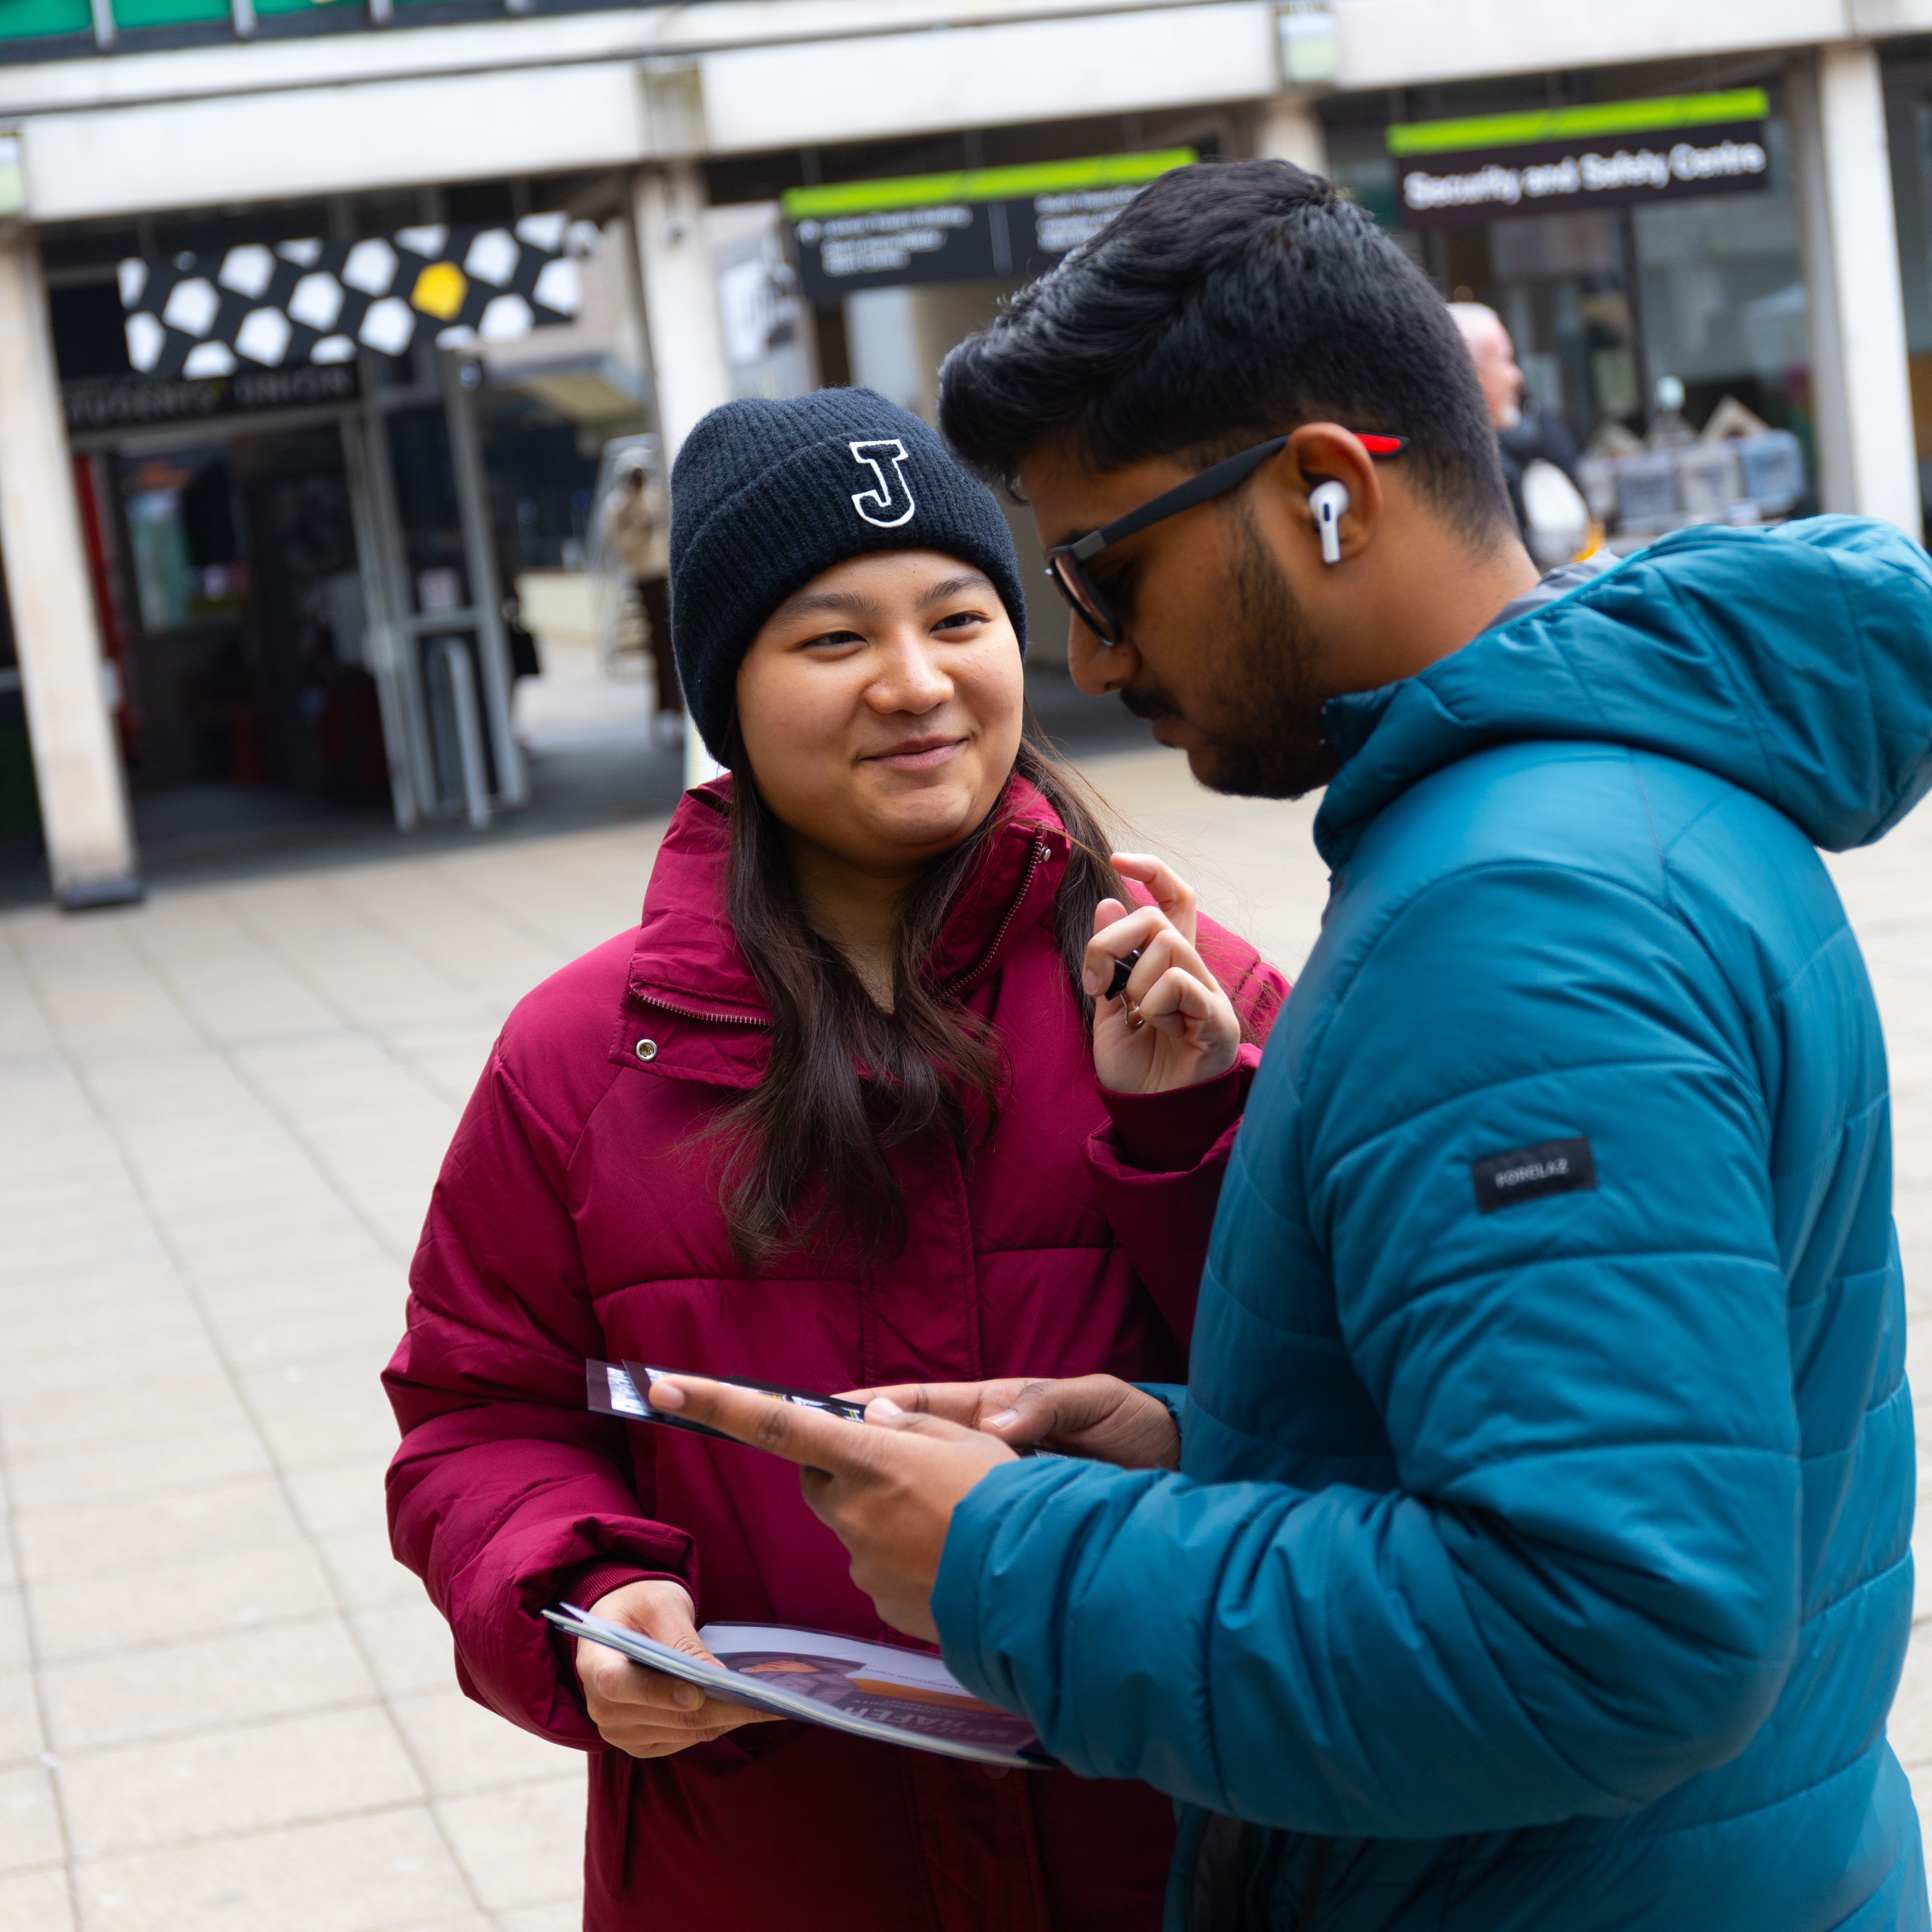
(874, 197)
(1565, 124)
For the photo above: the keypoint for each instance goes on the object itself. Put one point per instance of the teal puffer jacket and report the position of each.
(1540, 1556)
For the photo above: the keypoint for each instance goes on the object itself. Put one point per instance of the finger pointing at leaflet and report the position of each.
(886, 1487)
(807, 1437)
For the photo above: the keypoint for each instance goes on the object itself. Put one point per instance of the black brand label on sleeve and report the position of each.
(1528, 1174)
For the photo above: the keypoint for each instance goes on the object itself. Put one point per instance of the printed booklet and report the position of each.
(871, 1690)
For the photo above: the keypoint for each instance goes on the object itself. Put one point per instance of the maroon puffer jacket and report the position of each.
(577, 1215)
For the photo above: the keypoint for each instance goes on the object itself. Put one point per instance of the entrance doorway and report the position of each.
(246, 668)
(304, 612)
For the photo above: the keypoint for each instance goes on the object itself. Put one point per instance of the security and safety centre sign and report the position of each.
(1614, 154)
(979, 222)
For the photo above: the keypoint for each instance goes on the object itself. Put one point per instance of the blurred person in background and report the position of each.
(828, 1116)
(635, 520)
(1539, 453)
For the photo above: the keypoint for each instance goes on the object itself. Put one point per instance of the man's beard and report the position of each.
(1265, 739)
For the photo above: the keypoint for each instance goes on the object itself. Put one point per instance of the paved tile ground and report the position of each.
(221, 1704)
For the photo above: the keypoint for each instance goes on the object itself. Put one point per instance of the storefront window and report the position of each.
(1723, 298)
(1649, 313)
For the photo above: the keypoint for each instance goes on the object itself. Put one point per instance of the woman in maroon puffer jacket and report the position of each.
(828, 1116)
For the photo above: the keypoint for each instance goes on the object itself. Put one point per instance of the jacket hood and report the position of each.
(1796, 663)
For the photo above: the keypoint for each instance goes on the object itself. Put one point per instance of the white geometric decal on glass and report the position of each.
(543, 231)
(209, 359)
(506, 319)
(248, 270)
(192, 306)
(264, 336)
(146, 339)
(492, 257)
(371, 267)
(186, 310)
(559, 286)
(389, 325)
(316, 301)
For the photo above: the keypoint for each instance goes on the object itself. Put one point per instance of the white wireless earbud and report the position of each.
(1329, 503)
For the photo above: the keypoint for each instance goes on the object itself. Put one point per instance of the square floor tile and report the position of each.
(79, 1616)
(364, 1874)
(36, 1902)
(239, 1780)
(30, 1831)
(463, 1748)
(408, 1645)
(342, 1500)
(560, 1915)
(187, 1457)
(238, 1677)
(20, 1738)
(519, 1846)
(365, 1572)
(243, 1515)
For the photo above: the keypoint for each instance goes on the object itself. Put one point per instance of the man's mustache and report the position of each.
(1149, 706)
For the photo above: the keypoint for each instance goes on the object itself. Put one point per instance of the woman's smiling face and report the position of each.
(880, 706)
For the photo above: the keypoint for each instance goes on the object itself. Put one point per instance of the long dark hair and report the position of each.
(809, 1144)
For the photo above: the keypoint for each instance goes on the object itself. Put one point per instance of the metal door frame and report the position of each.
(395, 631)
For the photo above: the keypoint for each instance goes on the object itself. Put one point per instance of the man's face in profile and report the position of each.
(1494, 355)
(1217, 656)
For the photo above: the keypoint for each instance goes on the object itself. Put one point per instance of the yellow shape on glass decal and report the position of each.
(440, 290)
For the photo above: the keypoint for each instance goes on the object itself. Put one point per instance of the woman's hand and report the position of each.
(1172, 1025)
(1099, 1417)
(642, 1711)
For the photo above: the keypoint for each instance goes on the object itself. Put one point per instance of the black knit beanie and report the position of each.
(765, 495)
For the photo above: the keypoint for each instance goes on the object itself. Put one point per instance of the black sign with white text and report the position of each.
(959, 241)
(1477, 184)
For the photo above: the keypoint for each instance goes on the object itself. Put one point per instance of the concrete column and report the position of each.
(689, 375)
(1290, 130)
(83, 795)
(1862, 397)
(687, 336)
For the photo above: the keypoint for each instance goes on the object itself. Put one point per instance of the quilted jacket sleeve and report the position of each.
(506, 1490)
(1157, 1165)
(1583, 1588)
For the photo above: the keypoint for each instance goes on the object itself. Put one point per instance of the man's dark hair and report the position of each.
(1228, 302)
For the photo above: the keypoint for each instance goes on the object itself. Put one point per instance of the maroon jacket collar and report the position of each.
(687, 959)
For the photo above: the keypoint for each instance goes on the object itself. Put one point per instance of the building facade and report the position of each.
(315, 316)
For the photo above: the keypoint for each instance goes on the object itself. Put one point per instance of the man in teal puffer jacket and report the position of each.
(1538, 1556)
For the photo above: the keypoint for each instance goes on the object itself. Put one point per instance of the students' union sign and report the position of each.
(1614, 154)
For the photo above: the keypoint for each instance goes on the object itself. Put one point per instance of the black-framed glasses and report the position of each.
(1066, 563)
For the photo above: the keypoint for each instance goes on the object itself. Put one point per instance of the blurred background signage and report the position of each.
(280, 305)
(1615, 154)
(135, 402)
(967, 226)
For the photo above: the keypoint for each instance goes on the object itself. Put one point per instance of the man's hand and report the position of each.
(886, 1487)
(1099, 1417)
(642, 1711)
(1172, 1025)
